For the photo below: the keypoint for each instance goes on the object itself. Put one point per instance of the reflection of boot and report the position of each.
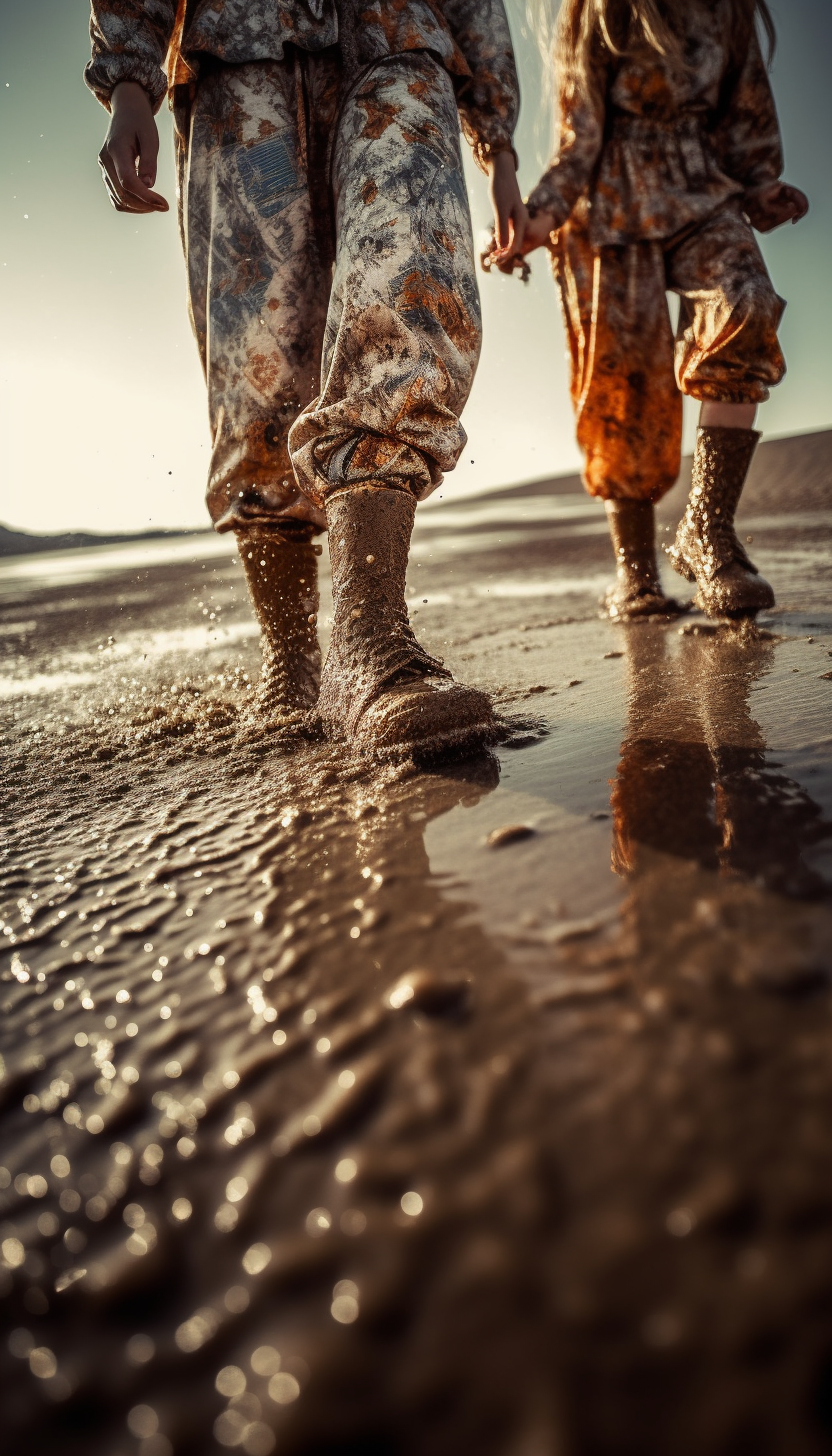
(662, 797)
(380, 688)
(707, 549)
(637, 591)
(765, 820)
(282, 574)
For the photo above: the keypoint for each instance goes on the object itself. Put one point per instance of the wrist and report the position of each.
(502, 163)
(129, 93)
(496, 158)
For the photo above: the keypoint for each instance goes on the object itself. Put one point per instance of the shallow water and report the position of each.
(336, 1123)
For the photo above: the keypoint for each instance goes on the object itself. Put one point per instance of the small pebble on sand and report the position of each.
(508, 834)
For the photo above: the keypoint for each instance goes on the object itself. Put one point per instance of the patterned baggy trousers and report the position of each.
(331, 277)
(628, 372)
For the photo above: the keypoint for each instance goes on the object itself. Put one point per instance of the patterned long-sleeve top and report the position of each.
(159, 43)
(653, 146)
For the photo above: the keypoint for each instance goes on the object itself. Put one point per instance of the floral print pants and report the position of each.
(331, 280)
(628, 372)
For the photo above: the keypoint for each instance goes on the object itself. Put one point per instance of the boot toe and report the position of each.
(280, 705)
(735, 592)
(428, 717)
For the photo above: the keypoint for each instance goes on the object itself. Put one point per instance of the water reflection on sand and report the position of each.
(330, 1127)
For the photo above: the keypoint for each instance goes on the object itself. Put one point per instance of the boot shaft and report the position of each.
(633, 533)
(380, 689)
(369, 543)
(721, 462)
(282, 579)
(706, 541)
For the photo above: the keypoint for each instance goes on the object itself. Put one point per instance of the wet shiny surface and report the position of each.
(476, 1108)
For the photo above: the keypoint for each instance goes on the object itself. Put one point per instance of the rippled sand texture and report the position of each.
(481, 1109)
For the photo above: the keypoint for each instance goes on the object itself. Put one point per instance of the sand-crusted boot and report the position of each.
(707, 549)
(637, 590)
(380, 689)
(282, 574)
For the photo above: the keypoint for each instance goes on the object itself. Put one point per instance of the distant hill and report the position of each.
(793, 473)
(22, 543)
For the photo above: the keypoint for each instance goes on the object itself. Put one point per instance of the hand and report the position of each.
(510, 214)
(131, 148)
(538, 232)
(774, 203)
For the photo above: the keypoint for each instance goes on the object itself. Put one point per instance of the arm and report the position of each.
(750, 148)
(747, 136)
(130, 40)
(489, 99)
(580, 139)
(130, 151)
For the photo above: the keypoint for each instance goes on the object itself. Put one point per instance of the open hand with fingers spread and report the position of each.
(130, 151)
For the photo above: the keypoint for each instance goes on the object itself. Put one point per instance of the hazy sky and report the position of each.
(103, 416)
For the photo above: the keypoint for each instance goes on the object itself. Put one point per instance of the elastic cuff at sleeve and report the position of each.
(546, 199)
(105, 72)
(486, 151)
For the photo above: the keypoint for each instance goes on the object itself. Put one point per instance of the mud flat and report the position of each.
(473, 1108)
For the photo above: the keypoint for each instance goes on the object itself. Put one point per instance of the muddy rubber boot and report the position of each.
(380, 689)
(707, 549)
(637, 590)
(282, 576)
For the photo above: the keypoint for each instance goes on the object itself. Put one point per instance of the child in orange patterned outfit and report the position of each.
(669, 155)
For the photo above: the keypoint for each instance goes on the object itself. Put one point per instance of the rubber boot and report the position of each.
(637, 590)
(282, 575)
(380, 689)
(707, 549)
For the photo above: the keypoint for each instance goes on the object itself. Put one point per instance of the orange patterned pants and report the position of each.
(629, 372)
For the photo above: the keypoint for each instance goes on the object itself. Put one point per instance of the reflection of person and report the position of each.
(693, 781)
(669, 154)
(332, 290)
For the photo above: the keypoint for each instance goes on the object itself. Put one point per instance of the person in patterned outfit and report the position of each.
(669, 155)
(332, 291)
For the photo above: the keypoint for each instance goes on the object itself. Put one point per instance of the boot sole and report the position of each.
(452, 743)
(435, 745)
(733, 614)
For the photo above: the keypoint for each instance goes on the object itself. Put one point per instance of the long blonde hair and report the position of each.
(584, 27)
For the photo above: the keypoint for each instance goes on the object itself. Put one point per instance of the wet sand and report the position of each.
(338, 1122)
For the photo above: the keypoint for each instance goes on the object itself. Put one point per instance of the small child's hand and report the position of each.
(538, 232)
(769, 206)
(492, 257)
(131, 147)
